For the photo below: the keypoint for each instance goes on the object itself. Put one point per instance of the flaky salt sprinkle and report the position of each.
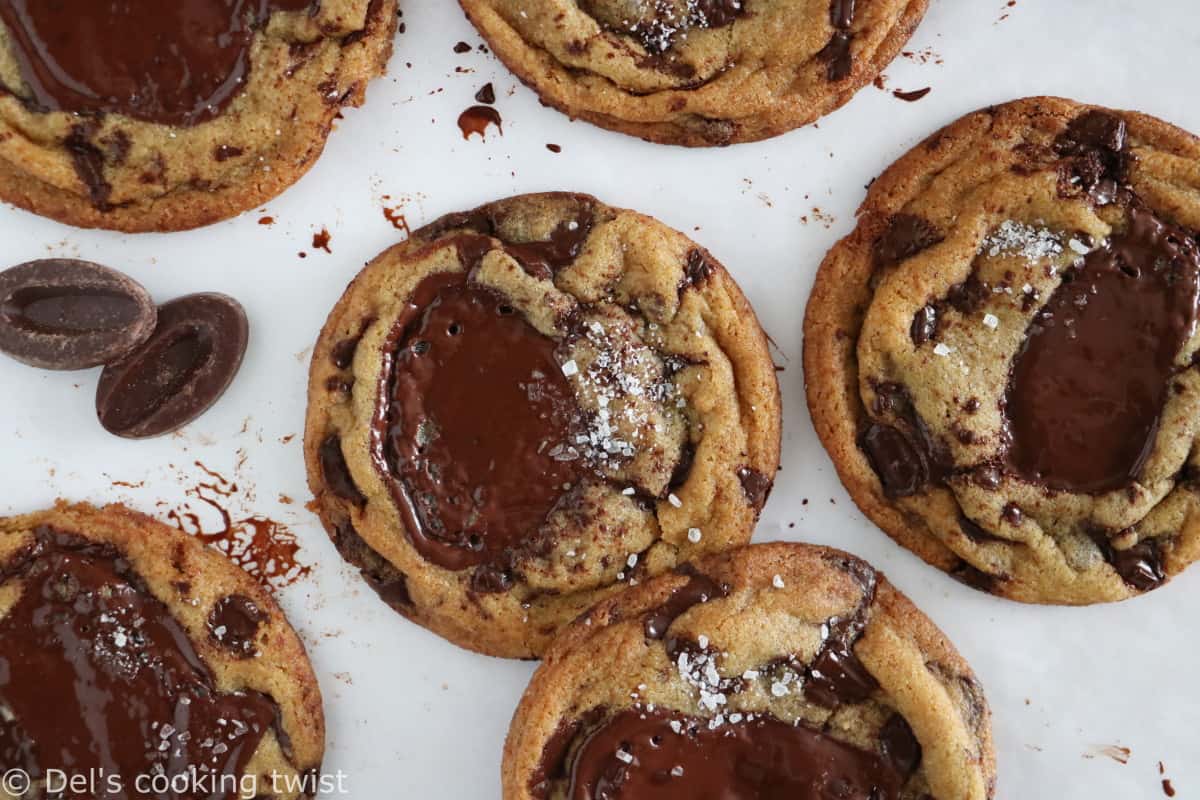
(570, 368)
(777, 582)
(1031, 243)
(942, 349)
(991, 320)
(675, 501)
(694, 535)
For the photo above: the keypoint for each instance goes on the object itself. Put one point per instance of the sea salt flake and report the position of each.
(777, 582)
(991, 320)
(942, 349)
(694, 535)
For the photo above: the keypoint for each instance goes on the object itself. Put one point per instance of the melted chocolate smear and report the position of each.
(637, 755)
(170, 63)
(840, 61)
(699, 589)
(476, 119)
(472, 403)
(544, 260)
(337, 473)
(96, 675)
(88, 162)
(1088, 386)
(234, 623)
(905, 236)
(756, 486)
(553, 764)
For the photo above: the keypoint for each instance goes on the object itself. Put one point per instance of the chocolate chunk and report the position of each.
(1139, 566)
(906, 235)
(699, 589)
(335, 471)
(1087, 389)
(972, 530)
(61, 313)
(974, 577)
(179, 372)
(756, 486)
(88, 161)
(128, 58)
(1012, 514)
(486, 94)
(491, 579)
(93, 667)
(640, 753)
(384, 579)
(899, 465)
(234, 623)
(697, 270)
(924, 325)
(1094, 147)
(837, 676)
(474, 413)
(900, 746)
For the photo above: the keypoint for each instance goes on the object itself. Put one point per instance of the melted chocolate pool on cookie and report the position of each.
(1088, 388)
(475, 408)
(172, 62)
(641, 754)
(95, 674)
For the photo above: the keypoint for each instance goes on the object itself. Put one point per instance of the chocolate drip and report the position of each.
(129, 58)
(544, 260)
(96, 675)
(638, 754)
(472, 404)
(1087, 389)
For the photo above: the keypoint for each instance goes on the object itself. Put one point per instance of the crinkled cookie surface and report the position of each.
(1001, 359)
(526, 407)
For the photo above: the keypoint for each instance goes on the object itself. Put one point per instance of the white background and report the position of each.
(411, 716)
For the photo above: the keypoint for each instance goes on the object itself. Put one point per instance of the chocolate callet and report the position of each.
(336, 472)
(905, 236)
(472, 405)
(179, 372)
(61, 313)
(699, 589)
(638, 754)
(129, 58)
(1087, 388)
(234, 623)
(97, 677)
(756, 486)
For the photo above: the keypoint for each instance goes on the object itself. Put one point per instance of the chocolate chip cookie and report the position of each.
(133, 656)
(525, 407)
(1002, 357)
(696, 72)
(153, 116)
(777, 670)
